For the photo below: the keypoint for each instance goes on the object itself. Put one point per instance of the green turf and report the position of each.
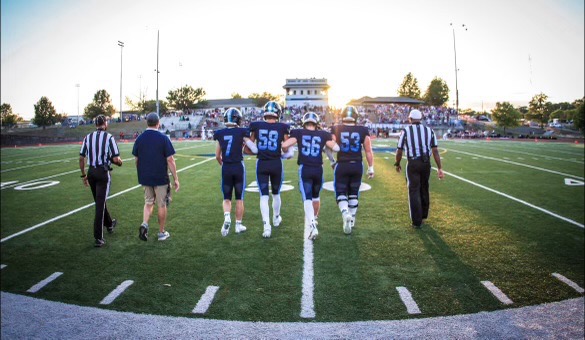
(471, 235)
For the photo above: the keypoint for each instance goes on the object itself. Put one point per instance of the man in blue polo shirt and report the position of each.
(154, 152)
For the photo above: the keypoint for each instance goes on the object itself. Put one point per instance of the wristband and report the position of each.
(83, 176)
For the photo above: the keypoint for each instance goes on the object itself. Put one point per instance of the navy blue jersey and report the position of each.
(350, 139)
(269, 137)
(231, 141)
(311, 143)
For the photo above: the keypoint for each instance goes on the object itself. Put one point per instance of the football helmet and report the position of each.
(272, 109)
(311, 117)
(349, 114)
(232, 117)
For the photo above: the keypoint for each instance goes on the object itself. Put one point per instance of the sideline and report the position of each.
(90, 205)
(25, 317)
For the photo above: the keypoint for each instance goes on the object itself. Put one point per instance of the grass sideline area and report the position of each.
(473, 234)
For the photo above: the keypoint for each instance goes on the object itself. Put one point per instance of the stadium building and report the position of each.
(306, 92)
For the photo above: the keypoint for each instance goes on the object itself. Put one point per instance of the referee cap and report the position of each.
(152, 119)
(415, 114)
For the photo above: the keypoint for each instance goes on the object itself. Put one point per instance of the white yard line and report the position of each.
(307, 299)
(406, 297)
(116, 292)
(516, 163)
(89, 205)
(43, 283)
(530, 154)
(205, 300)
(580, 225)
(497, 293)
(568, 282)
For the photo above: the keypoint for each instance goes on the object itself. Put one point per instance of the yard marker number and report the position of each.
(406, 297)
(205, 301)
(43, 283)
(568, 282)
(497, 293)
(116, 292)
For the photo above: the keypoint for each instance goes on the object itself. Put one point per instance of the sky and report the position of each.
(511, 50)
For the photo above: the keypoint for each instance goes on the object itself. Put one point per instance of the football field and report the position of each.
(506, 230)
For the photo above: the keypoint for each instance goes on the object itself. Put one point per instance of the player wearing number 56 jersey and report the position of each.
(349, 169)
(269, 135)
(233, 171)
(311, 143)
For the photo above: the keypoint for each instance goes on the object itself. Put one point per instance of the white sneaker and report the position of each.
(347, 223)
(240, 228)
(267, 230)
(277, 220)
(163, 236)
(313, 232)
(225, 229)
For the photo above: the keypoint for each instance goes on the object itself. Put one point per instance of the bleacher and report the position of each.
(179, 123)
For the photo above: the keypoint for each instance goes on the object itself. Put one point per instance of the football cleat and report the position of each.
(277, 220)
(112, 227)
(225, 229)
(313, 232)
(267, 230)
(347, 223)
(240, 228)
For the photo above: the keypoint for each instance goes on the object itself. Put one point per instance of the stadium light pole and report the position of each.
(121, 44)
(456, 83)
(77, 85)
(157, 72)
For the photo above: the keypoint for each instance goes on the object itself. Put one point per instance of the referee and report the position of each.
(100, 150)
(417, 141)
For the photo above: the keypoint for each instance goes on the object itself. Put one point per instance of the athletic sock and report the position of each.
(309, 212)
(276, 205)
(264, 209)
(226, 217)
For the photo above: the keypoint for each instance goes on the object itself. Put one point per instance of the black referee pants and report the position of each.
(418, 173)
(99, 181)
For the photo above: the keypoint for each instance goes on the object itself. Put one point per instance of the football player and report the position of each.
(349, 168)
(233, 171)
(311, 142)
(269, 135)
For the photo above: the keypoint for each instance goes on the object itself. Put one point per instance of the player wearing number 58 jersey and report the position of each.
(269, 135)
(349, 169)
(233, 172)
(311, 143)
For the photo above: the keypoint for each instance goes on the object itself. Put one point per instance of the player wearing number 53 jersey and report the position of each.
(311, 143)
(233, 171)
(349, 169)
(269, 135)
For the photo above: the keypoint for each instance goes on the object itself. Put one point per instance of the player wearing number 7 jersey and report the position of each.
(311, 143)
(233, 172)
(269, 135)
(349, 168)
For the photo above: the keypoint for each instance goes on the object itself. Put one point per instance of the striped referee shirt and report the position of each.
(99, 147)
(417, 140)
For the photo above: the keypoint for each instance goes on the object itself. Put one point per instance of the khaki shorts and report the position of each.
(161, 193)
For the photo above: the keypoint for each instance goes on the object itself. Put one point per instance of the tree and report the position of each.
(45, 113)
(101, 105)
(236, 95)
(579, 118)
(539, 109)
(261, 99)
(150, 106)
(185, 97)
(506, 116)
(409, 87)
(9, 119)
(437, 93)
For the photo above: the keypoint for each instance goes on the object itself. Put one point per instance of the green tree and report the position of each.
(437, 93)
(150, 106)
(185, 97)
(101, 105)
(506, 116)
(539, 109)
(409, 87)
(9, 119)
(579, 118)
(236, 95)
(45, 113)
(261, 99)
